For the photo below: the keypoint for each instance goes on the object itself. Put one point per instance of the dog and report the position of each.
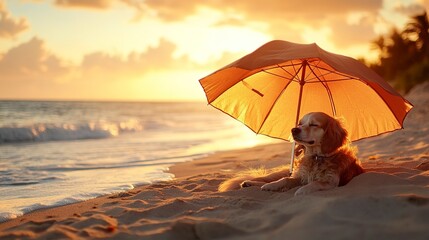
(325, 160)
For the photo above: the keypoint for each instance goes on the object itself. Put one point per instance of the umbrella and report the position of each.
(270, 89)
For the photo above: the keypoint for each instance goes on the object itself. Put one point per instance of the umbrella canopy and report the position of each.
(270, 89)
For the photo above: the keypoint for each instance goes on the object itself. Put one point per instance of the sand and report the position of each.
(390, 201)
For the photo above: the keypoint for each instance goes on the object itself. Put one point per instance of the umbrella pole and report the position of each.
(301, 86)
(292, 155)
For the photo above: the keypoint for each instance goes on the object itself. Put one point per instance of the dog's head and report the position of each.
(318, 129)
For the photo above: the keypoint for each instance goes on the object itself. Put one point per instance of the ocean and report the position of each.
(54, 153)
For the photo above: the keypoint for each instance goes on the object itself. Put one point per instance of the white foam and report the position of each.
(63, 132)
(4, 216)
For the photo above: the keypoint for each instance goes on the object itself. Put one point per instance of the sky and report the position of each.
(157, 50)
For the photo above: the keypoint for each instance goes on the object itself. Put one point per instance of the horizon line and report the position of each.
(101, 100)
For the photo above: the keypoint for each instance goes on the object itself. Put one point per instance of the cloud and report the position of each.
(133, 65)
(170, 10)
(173, 10)
(284, 19)
(139, 6)
(93, 4)
(31, 61)
(30, 69)
(9, 26)
(345, 33)
(411, 9)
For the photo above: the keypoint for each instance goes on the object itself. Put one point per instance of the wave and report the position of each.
(63, 132)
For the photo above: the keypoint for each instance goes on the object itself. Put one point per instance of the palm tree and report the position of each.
(399, 55)
(419, 27)
(404, 55)
(379, 44)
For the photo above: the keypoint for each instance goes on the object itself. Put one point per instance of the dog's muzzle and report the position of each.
(295, 131)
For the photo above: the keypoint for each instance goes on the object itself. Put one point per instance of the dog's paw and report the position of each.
(246, 184)
(274, 186)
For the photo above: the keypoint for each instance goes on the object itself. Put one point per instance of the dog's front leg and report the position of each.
(282, 184)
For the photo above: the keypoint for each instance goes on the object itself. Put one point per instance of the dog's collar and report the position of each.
(321, 157)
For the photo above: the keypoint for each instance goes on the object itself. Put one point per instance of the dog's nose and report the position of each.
(295, 131)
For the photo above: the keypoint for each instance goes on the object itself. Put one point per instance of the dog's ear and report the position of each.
(335, 136)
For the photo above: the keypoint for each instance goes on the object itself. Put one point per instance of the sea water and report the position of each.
(58, 152)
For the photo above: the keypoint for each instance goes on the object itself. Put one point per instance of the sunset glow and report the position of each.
(158, 50)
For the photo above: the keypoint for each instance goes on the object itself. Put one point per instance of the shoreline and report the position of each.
(200, 166)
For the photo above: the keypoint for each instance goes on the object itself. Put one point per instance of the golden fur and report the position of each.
(327, 160)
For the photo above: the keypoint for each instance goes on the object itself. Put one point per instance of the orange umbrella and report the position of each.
(270, 89)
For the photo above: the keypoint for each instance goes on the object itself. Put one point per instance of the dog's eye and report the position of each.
(313, 125)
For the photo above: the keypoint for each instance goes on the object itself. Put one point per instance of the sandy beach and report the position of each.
(389, 201)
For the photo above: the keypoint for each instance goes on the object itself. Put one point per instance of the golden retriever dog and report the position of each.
(325, 160)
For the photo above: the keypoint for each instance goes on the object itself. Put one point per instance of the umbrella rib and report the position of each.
(275, 101)
(334, 80)
(328, 90)
(296, 72)
(278, 65)
(336, 72)
(329, 72)
(277, 75)
(293, 77)
(282, 67)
